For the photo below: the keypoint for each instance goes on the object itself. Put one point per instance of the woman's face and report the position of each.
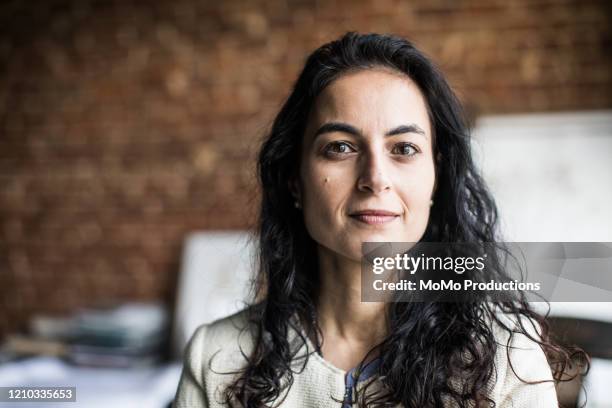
(367, 169)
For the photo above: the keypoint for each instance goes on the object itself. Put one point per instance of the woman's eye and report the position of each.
(336, 148)
(405, 149)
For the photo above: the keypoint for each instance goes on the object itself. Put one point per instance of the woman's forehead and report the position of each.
(371, 99)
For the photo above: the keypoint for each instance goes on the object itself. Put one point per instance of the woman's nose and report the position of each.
(373, 176)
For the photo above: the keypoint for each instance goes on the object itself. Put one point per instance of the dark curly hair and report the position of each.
(415, 370)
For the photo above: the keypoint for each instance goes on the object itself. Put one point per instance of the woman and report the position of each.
(371, 145)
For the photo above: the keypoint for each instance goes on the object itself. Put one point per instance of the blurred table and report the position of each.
(148, 387)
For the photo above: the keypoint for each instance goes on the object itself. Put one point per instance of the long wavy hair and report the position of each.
(426, 343)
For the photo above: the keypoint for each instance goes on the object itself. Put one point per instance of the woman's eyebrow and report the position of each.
(412, 128)
(346, 128)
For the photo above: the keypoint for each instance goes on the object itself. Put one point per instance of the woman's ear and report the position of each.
(294, 188)
(436, 174)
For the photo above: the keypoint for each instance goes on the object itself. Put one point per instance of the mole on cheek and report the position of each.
(327, 179)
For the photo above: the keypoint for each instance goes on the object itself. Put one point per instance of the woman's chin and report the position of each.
(381, 236)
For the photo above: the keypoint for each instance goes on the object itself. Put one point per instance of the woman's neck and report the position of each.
(350, 327)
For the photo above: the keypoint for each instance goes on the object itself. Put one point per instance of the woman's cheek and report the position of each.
(320, 204)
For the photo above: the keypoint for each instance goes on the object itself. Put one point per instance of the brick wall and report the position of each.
(125, 125)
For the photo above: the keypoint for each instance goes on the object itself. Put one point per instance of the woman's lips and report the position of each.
(374, 217)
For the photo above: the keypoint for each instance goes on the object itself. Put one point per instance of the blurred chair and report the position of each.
(215, 276)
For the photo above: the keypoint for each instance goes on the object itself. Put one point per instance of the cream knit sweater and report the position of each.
(214, 350)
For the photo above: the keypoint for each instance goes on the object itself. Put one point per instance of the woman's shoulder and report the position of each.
(520, 359)
(222, 338)
(224, 328)
(215, 350)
